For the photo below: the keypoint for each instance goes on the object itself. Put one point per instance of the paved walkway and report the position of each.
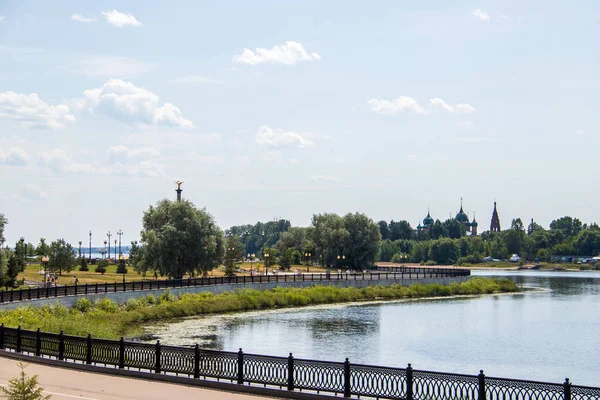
(68, 384)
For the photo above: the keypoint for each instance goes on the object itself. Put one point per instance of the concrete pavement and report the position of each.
(68, 384)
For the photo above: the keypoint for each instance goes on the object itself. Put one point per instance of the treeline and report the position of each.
(566, 236)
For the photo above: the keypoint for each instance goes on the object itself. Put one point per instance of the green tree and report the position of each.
(4, 258)
(384, 230)
(420, 251)
(42, 248)
(400, 230)
(294, 238)
(444, 251)
(23, 387)
(3, 223)
(12, 271)
(438, 230)
(101, 267)
(83, 264)
(269, 257)
(329, 236)
(234, 252)
(587, 242)
(286, 258)
(362, 242)
(61, 257)
(567, 226)
(454, 228)
(178, 238)
(498, 248)
(21, 254)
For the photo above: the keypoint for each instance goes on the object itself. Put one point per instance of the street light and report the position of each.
(120, 233)
(404, 257)
(251, 257)
(342, 258)
(45, 265)
(109, 235)
(104, 253)
(80, 249)
(90, 246)
(122, 265)
(266, 263)
(307, 260)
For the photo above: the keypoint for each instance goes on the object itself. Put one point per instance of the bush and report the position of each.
(121, 268)
(430, 263)
(106, 305)
(82, 305)
(83, 264)
(101, 268)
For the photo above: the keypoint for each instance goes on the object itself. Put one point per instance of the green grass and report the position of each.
(106, 319)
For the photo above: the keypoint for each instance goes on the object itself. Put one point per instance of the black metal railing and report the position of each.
(286, 373)
(334, 275)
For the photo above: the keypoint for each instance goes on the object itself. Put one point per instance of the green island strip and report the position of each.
(109, 320)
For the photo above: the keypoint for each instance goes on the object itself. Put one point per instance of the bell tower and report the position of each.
(495, 224)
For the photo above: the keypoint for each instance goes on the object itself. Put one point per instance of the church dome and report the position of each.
(461, 216)
(474, 223)
(428, 220)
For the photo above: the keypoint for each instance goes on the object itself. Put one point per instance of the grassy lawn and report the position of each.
(32, 273)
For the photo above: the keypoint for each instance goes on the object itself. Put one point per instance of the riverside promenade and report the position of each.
(68, 384)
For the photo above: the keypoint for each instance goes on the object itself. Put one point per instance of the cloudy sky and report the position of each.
(284, 109)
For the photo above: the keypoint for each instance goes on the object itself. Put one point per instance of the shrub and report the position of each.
(121, 268)
(82, 305)
(83, 264)
(101, 268)
(106, 305)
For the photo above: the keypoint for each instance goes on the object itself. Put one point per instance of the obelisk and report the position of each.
(178, 190)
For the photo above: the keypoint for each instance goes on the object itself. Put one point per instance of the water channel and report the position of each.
(545, 334)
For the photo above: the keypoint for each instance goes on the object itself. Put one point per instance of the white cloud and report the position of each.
(109, 67)
(33, 112)
(55, 159)
(465, 124)
(81, 18)
(401, 104)
(268, 137)
(2, 18)
(409, 104)
(125, 154)
(576, 132)
(120, 19)
(33, 192)
(15, 156)
(288, 54)
(481, 15)
(324, 178)
(461, 108)
(195, 80)
(130, 104)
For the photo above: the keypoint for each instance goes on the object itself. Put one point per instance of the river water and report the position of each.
(547, 334)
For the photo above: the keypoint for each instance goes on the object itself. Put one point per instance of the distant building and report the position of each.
(463, 218)
(495, 224)
(427, 223)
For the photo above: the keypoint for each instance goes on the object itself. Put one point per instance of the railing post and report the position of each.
(290, 378)
(19, 339)
(20, 294)
(105, 287)
(567, 386)
(481, 393)
(157, 365)
(2, 336)
(409, 383)
(76, 289)
(38, 343)
(88, 353)
(347, 378)
(121, 353)
(86, 288)
(61, 346)
(197, 361)
(240, 374)
(96, 287)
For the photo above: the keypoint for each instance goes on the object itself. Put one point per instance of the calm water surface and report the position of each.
(547, 334)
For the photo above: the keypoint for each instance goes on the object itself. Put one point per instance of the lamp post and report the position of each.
(307, 260)
(109, 235)
(121, 262)
(251, 257)
(340, 258)
(115, 249)
(404, 257)
(80, 249)
(120, 233)
(104, 253)
(90, 246)
(45, 265)
(266, 263)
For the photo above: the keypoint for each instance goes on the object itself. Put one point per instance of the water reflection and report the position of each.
(543, 334)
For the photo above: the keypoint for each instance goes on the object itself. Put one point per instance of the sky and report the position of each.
(279, 109)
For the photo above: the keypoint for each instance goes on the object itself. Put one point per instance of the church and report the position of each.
(461, 217)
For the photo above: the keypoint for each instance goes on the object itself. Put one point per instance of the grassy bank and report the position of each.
(106, 319)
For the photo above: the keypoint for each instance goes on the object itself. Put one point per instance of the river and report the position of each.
(547, 333)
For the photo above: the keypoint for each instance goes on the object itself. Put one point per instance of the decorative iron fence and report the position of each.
(84, 289)
(286, 373)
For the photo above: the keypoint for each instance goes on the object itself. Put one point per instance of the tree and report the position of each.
(12, 271)
(400, 230)
(269, 259)
(133, 251)
(180, 239)
(444, 251)
(329, 236)
(362, 241)
(534, 227)
(23, 387)
(567, 226)
(62, 256)
(234, 252)
(587, 243)
(294, 238)
(455, 229)
(285, 258)
(101, 267)
(3, 223)
(498, 248)
(384, 230)
(4, 257)
(438, 230)
(21, 254)
(42, 248)
(83, 264)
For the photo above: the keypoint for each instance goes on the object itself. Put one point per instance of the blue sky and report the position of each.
(285, 109)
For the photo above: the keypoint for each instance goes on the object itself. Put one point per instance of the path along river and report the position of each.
(545, 334)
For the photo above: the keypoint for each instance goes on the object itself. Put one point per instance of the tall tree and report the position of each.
(444, 251)
(384, 230)
(61, 256)
(42, 248)
(178, 238)
(330, 237)
(21, 254)
(3, 222)
(400, 230)
(362, 241)
(567, 226)
(234, 252)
